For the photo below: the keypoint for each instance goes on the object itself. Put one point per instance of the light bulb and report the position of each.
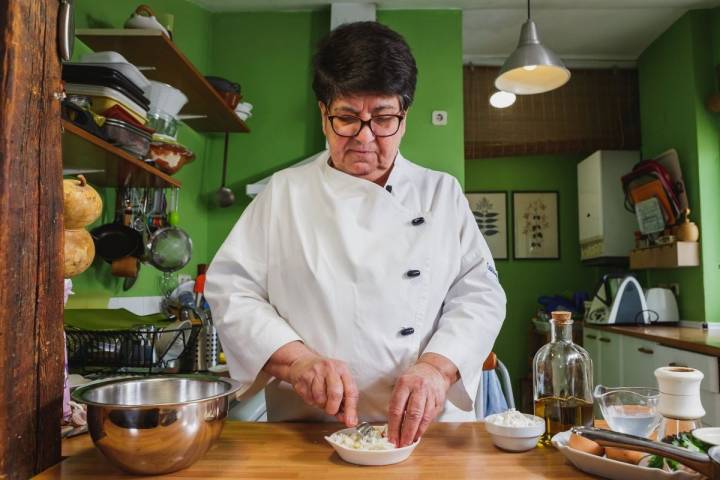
(502, 99)
(529, 68)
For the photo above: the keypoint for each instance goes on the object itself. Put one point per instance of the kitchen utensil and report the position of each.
(143, 17)
(370, 457)
(630, 410)
(225, 196)
(163, 124)
(662, 301)
(170, 157)
(170, 249)
(125, 267)
(172, 340)
(706, 464)
(87, 74)
(619, 299)
(115, 240)
(127, 137)
(165, 98)
(364, 429)
(158, 424)
(222, 84)
(613, 469)
(515, 438)
(173, 214)
(66, 29)
(103, 98)
(709, 435)
(117, 62)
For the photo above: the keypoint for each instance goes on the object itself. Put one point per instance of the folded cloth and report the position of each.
(493, 396)
(243, 115)
(244, 107)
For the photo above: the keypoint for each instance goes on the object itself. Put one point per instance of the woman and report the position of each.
(358, 286)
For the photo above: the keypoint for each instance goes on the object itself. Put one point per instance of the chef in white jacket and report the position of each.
(358, 286)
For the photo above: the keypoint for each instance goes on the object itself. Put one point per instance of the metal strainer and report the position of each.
(170, 249)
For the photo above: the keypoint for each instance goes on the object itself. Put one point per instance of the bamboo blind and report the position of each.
(596, 109)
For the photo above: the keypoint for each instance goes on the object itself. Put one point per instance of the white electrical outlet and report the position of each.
(439, 117)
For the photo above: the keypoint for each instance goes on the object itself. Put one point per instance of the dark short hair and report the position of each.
(364, 57)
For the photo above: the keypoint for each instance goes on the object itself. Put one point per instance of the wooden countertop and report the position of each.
(298, 450)
(693, 339)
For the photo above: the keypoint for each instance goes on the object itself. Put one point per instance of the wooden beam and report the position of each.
(31, 341)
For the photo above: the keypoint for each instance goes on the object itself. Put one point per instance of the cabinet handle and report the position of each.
(675, 364)
(603, 339)
(645, 350)
(591, 337)
(588, 215)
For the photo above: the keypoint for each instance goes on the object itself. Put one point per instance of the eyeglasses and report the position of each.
(351, 126)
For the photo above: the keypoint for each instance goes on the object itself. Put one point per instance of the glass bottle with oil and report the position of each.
(562, 381)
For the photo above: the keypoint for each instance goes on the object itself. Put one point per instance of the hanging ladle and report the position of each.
(224, 195)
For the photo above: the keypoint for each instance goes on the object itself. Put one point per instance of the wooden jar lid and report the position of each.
(561, 317)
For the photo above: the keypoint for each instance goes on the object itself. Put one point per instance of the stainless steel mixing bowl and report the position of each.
(158, 424)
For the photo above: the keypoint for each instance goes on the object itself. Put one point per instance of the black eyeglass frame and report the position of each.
(399, 116)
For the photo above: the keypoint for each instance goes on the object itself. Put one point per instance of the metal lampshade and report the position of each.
(531, 68)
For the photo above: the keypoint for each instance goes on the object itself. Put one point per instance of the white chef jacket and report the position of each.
(344, 265)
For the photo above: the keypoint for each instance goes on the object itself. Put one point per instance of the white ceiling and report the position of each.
(583, 32)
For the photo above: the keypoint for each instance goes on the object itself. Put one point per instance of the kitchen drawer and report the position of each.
(707, 364)
(639, 361)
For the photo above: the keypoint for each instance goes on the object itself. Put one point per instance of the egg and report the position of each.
(584, 445)
(623, 455)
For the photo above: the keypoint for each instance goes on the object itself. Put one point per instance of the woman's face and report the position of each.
(365, 155)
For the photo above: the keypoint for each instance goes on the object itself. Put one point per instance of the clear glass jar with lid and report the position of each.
(562, 380)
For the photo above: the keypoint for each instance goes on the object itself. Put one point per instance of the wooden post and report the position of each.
(31, 339)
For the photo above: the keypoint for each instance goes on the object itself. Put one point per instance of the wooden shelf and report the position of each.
(674, 255)
(105, 165)
(150, 48)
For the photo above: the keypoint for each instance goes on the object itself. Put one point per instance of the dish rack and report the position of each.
(142, 350)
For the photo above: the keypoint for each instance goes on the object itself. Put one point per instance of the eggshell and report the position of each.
(584, 445)
(623, 455)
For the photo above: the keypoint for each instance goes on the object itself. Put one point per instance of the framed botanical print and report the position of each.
(490, 212)
(536, 228)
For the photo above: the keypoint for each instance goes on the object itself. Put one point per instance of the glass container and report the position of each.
(562, 381)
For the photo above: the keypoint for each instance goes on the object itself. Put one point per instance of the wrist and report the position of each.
(444, 367)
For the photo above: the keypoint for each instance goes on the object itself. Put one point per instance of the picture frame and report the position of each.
(490, 209)
(536, 225)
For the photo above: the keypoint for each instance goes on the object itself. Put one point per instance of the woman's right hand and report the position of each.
(327, 384)
(322, 382)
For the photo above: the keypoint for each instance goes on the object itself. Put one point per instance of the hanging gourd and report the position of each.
(82, 205)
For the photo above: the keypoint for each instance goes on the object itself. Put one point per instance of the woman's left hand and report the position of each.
(418, 397)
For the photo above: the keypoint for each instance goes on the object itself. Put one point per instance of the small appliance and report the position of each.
(662, 305)
(618, 300)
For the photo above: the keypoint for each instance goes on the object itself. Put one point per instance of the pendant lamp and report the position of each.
(531, 68)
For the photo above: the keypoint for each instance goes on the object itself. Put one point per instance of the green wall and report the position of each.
(525, 280)
(676, 74)
(269, 54)
(286, 123)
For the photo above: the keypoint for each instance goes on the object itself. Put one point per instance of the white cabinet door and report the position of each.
(611, 356)
(639, 361)
(591, 343)
(590, 221)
